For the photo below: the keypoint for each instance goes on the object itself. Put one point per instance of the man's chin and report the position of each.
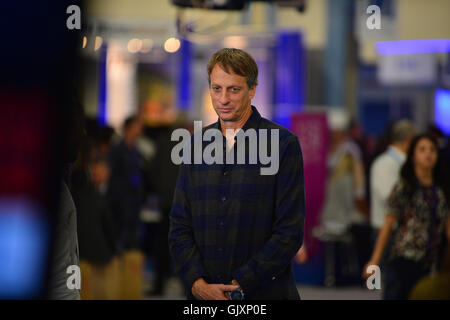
(226, 116)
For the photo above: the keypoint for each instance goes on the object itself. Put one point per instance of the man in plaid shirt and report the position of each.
(233, 228)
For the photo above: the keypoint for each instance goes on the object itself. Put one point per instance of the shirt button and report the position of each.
(273, 278)
(225, 173)
(224, 199)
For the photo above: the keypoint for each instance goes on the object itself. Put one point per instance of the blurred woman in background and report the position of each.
(419, 219)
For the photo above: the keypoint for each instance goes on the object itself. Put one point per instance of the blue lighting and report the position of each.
(442, 110)
(184, 75)
(102, 83)
(23, 249)
(289, 80)
(419, 46)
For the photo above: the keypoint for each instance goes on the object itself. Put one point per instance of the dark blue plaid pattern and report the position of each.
(230, 222)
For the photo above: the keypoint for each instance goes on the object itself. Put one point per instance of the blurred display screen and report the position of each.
(442, 110)
(26, 130)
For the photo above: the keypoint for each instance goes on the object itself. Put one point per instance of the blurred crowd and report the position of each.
(387, 204)
(122, 184)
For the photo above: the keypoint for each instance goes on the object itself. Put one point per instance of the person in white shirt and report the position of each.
(385, 170)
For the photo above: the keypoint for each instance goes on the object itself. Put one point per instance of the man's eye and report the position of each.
(235, 89)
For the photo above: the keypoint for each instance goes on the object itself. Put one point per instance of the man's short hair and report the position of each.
(237, 60)
(402, 131)
(129, 121)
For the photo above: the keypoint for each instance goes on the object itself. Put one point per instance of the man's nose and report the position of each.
(224, 99)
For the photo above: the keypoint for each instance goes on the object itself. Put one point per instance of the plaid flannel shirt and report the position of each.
(230, 222)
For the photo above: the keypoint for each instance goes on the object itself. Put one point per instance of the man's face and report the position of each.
(230, 94)
(134, 130)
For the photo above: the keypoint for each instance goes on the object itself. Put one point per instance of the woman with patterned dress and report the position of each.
(417, 225)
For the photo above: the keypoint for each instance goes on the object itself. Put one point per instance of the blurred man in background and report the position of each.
(384, 173)
(386, 168)
(125, 195)
(161, 176)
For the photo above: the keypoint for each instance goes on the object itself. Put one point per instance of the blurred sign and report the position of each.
(418, 46)
(312, 131)
(407, 69)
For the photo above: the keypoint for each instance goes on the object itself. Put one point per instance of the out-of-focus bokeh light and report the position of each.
(98, 43)
(147, 45)
(134, 45)
(84, 42)
(23, 248)
(172, 45)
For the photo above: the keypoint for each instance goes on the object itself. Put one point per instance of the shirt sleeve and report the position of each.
(65, 250)
(396, 203)
(186, 257)
(287, 228)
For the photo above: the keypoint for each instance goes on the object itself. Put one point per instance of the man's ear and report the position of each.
(252, 91)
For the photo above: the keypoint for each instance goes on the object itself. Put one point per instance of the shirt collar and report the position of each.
(398, 152)
(251, 123)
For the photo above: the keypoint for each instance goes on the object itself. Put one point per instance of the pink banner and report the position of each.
(312, 131)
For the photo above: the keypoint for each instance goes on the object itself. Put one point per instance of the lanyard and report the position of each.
(395, 156)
